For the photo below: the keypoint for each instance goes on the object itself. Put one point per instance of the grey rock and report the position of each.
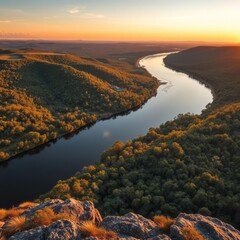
(32, 234)
(209, 228)
(132, 225)
(62, 230)
(77, 210)
(59, 230)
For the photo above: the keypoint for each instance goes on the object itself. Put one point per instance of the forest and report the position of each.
(190, 164)
(46, 95)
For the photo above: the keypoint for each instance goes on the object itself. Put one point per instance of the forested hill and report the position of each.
(190, 164)
(45, 95)
(218, 66)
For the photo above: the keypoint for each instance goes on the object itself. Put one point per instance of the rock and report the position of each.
(132, 225)
(59, 230)
(209, 228)
(32, 234)
(62, 230)
(77, 210)
(160, 237)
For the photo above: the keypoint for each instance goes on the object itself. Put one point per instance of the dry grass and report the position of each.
(27, 205)
(14, 212)
(88, 229)
(3, 213)
(14, 225)
(9, 213)
(163, 222)
(47, 216)
(191, 233)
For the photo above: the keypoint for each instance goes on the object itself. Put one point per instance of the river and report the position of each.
(31, 174)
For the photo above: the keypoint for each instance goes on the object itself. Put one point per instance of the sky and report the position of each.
(127, 20)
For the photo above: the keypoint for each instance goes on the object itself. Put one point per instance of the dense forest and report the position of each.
(190, 164)
(46, 95)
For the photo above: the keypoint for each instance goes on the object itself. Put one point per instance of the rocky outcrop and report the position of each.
(59, 230)
(131, 224)
(209, 228)
(77, 210)
(128, 227)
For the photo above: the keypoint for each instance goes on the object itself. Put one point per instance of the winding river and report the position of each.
(27, 176)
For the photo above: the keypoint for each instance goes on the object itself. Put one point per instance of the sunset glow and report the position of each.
(155, 20)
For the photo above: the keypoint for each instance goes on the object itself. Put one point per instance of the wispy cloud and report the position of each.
(75, 10)
(6, 21)
(11, 10)
(82, 13)
(91, 15)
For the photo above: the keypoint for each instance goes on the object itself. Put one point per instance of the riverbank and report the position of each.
(195, 76)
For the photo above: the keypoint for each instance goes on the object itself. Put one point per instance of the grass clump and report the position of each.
(191, 233)
(88, 229)
(14, 225)
(47, 216)
(164, 222)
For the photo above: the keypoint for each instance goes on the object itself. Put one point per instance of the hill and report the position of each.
(216, 66)
(190, 164)
(45, 95)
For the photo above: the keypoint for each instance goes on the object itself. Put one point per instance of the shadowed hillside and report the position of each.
(218, 66)
(45, 95)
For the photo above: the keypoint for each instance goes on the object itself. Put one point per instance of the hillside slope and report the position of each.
(45, 95)
(217, 66)
(190, 164)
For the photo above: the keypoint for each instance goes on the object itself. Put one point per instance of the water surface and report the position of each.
(26, 177)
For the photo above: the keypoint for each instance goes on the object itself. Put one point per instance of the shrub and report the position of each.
(88, 228)
(14, 225)
(191, 233)
(27, 205)
(14, 212)
(3, 214)
(163, 222)
(47, 216)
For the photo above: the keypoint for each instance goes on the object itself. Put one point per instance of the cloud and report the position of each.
(81, 13)
(10, 10)
(73, 10)
(6, 21)
(91, 15)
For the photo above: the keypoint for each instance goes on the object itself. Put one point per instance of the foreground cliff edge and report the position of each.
(72, 219)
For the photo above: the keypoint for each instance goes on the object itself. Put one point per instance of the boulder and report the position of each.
(132, 225)
(209, 228)
(77, 210)
(59, 230)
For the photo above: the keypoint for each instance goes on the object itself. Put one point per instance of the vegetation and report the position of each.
(164, 222)
(190, 164)
(191, 233)
(46, 95)
(89, 229)
(217, 66)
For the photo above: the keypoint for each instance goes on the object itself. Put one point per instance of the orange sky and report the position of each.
(152, 20)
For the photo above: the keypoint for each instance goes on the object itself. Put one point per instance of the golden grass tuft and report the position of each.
(27, 205)
(14, 212)
(3, 213)
(163, 222)
(191, 233)
(47, 216)
(88, 228)
(14, 225)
